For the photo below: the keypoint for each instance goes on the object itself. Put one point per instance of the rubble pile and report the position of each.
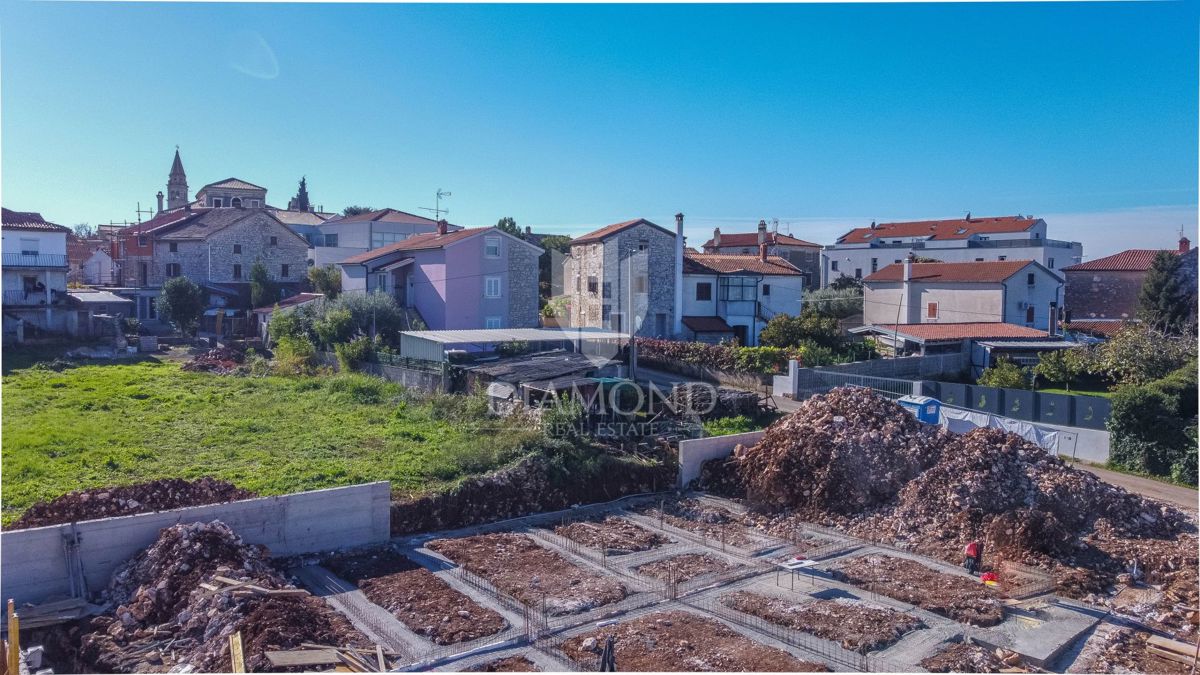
(155, 495)
(172, 613)
(614, 536)
(957, 597)
(220, 360)
(508, 664)
(713, 402)
(684, 567)
(852, 624)
(968, 657)
(844, 452)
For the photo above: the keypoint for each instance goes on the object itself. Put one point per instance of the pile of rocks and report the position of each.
(156, 495)
(221, 360)
(844, 452)
(711, 402)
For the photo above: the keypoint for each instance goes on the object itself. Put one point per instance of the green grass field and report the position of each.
(100, 425)
(1077, 392)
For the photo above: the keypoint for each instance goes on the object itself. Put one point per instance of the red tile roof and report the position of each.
(290, 301)
(28, 220)
(418, 242)
(750, 239)
(232, 183)
(707, 324)
(964, 272)
(388, 215)
(960, 228)
(722, 263)
(164, 219)
(960, 331)
(1133, 260)
(609, 230)
(1098, 326)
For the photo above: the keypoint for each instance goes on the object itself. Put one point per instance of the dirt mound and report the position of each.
(957, 597)
(156, 495)
(965, 657)
(615, 536)
(510, 664)
(844, 452)
(165, 618)
(221, 360)
(854, 625)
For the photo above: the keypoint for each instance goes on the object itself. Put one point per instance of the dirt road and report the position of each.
(1182, 497)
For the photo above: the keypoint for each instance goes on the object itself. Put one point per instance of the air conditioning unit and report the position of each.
(1022, 305)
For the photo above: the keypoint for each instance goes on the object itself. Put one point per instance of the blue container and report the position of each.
(924, 408)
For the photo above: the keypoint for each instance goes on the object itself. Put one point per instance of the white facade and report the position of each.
(745, 301)
(860, 260)
(35, 277)
(99, 269)
(336, 240)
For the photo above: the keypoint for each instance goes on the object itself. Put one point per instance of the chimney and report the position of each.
(908, 263)
(528, 230)
(716, 237)
(911, 300)
(1185, 244)
(160, 197)
(678, 274)
(762, 232)
(762, 252)
(441, 227)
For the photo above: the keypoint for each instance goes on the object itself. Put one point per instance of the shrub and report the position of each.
(294, 323)
(358, 388)
(352, 354)
(337, 326)
(1186, 467)
(1137, 354)
(1004, 373)
(760, 359)
(811, 326)
(812, 354)
(326, 280)
(724, 426)
(377, 311)
(1146, 433)
(725, 356)
(838, 303)
(512, 348)
(181, 303)
(294, 356)
(564, 419)
(130, 324)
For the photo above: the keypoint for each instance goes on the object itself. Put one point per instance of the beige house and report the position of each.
(1019, 292)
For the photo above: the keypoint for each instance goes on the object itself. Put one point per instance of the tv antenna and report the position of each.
(140, 211)
(438, 210)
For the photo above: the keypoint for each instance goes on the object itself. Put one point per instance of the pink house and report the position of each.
(473, 278)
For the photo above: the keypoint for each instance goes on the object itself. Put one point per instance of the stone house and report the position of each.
(622, 270)
(734, 296)
(462, 279)
(803, 255)
(1108, 287)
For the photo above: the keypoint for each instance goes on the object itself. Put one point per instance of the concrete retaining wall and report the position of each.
(34, 567)
(693, 453)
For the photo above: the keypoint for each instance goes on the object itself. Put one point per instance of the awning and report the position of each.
(707, 324)
(96, 297)
(396, 265)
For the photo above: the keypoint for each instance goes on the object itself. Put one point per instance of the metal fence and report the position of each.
(889, 387)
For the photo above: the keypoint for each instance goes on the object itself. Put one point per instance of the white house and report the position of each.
(335, 239)
(734, 296)
(35, 274)
(866, 250)
(1020, 292)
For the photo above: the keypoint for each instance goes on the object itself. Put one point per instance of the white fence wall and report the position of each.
(693, 453)
(34, 565)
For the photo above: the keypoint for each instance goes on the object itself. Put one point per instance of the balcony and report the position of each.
(34, 260)
(32, 298)
(975, 243)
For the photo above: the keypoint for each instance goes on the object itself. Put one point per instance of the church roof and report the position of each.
(177, 166)
(233, 184)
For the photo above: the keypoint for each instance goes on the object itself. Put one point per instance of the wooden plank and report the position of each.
(14, 640)
(304, 657)
(1172, 645)
(1169, 655)
(235, 653)
(379, 657)
(51, 608)
(353, 662)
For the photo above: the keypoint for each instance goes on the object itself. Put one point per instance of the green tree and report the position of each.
(1004, 373)
(509, 225)
(1164, 302)
(373, 313)
(842, 283)
(336, 327)
(302, 195)
(555, 246)
(326, 279)
(811, 327)
(833, 302)
(356, 210)
(1137, 354)
(1063, 366)
(181, 303)
(262, 290)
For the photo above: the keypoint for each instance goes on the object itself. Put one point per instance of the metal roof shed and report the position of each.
(431, 345)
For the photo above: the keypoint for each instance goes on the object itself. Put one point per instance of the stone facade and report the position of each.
(600, 274)
(522, 287)
(1103, 294)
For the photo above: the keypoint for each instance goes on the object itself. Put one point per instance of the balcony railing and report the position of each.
(32, 298)
(974, 243)
(34, 260)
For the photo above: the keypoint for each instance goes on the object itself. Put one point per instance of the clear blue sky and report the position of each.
(571, 117)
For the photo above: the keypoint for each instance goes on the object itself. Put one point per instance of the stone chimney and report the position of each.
(908, 263)
(441, 227)
(160, 198)
(716, 237)
(762, 252)
(912, 295)
(1185, 244)
(762, 232)
(678, 274)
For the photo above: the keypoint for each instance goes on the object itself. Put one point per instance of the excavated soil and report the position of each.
(511, 664)
(957, 597)
(856, 626)
(615, 536)
(534, 575)
(680, 642)
(963, 657)
(697, 517)
(157, 495)
(684, 567)
(416, 597)
(1127, 651)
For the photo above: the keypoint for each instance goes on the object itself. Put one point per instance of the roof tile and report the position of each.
(959, 228)
(1133, 260)
(961, 331)
(964, 272)
(722, 263)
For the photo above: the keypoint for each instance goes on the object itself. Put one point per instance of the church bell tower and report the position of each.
(177, 190)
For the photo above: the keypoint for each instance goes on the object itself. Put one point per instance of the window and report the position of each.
(283, 271)
(217, 203)
(979, 260)
(174, 247)
(237, 271)
(931, 311)
(1029, 278)
(236, 202)
(593, 285)
(172, 270)
(1051, 263)
(605, 312)
(640, 283)
(704, 291)
(331, 240)
(492, 322)
(874, 265)
(1002, 258)
(141, 241)
(857, 272)
(833, 265)
(381, 239)
(1029, 315)
(143, 273)
(491, 247)
(252, 203)
(738, 288)
(381, 282)
(237, 249)
(766, 290)
(607, 289)
(897, 261)
(491, 287)
(29, 247)
(274, 241)
(643, 246)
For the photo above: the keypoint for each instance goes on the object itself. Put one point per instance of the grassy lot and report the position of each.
(1077, 392)
(99, 425)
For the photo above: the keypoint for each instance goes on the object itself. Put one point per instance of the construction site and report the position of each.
(833, 544)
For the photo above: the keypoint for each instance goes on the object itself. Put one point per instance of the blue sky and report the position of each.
(570, 117)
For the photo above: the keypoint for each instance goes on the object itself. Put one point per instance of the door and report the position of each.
(739, 332)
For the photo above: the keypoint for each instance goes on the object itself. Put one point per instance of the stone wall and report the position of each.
(211, 260)
(1103, 295)
(522, 286)
(609, 261)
